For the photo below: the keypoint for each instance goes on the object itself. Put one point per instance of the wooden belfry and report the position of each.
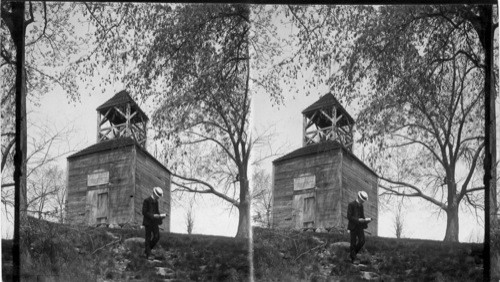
(313, 185)
(108, 181)
(119, 117)
(327, 120)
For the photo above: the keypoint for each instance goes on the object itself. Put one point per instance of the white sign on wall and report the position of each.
(306, 181)
(98, 178)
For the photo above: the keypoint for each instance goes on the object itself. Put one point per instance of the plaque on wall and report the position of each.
(302, 182)
(98, 178)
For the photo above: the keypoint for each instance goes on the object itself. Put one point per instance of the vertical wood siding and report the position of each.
(288, 205)
(119, 164)
(355, 178)
(339, 177)
(149, 174)
(132, 175)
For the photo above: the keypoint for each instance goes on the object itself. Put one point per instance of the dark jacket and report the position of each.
(354, 213)
(149, 209)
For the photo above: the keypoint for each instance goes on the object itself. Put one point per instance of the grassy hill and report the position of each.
(67, 253)
(323, 257)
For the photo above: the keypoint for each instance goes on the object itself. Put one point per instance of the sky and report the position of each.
(211, 215)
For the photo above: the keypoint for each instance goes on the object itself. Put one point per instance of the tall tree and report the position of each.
(24, 32)
(207, 99)
(192, 61)
(52, 55)
(418, 75)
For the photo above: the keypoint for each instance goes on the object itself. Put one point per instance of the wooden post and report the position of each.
(304, 128)
(490, 140)
(18, 30)
(351, 136)
(145, 124)
(98, 126)
(334, 123)
(128, 130)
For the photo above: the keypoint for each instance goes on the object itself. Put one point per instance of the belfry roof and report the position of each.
(320, 148)
(121, 98)
(113, 144)
(326, 102)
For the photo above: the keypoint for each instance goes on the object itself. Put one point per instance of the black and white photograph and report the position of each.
(249, 142)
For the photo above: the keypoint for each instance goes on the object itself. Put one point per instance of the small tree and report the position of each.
(43, 187)
(46, 190)
(190, 217)
(399, 221)
(262, 198)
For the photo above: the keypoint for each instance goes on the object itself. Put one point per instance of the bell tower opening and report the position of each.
(327, 120)
(121, 117)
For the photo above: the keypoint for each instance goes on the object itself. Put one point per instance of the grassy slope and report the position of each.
(73, 253)
(313, 257)
(87, 254)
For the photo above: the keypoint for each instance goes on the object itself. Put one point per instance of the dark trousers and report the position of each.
(152, 237)
(357, 241)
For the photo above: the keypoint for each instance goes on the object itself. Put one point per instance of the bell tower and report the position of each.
(313, 185)
(121, 117)
(109, 180)
(327, 120)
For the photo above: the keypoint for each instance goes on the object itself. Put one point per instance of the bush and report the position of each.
(52, 249)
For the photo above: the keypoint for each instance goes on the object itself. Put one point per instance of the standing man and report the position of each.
(357, 224)
(152, 220)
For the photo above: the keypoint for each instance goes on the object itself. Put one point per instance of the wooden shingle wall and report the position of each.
(149, 174)
(337, 176)
(289, 205)
(82, 204)
(357, 177)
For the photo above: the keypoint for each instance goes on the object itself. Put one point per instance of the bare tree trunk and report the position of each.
(190, 218)
(452, 224)
(268, 217)
(244, 209)
(398, 221)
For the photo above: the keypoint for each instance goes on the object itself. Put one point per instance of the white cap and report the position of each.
(158, 191)
(362, 195)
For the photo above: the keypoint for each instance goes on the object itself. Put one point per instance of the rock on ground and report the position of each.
(369, 275)
(134, 242)
(340, 246)
(164, 272)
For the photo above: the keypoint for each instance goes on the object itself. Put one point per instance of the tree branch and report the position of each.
(32, 18)
(418, 192)
(6, 153)
(471, 171)
(215, 141)
(210, 189)
(44, 26)
(5, 185)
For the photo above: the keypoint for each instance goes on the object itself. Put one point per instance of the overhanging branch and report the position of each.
(210, 189)
(418, 192)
